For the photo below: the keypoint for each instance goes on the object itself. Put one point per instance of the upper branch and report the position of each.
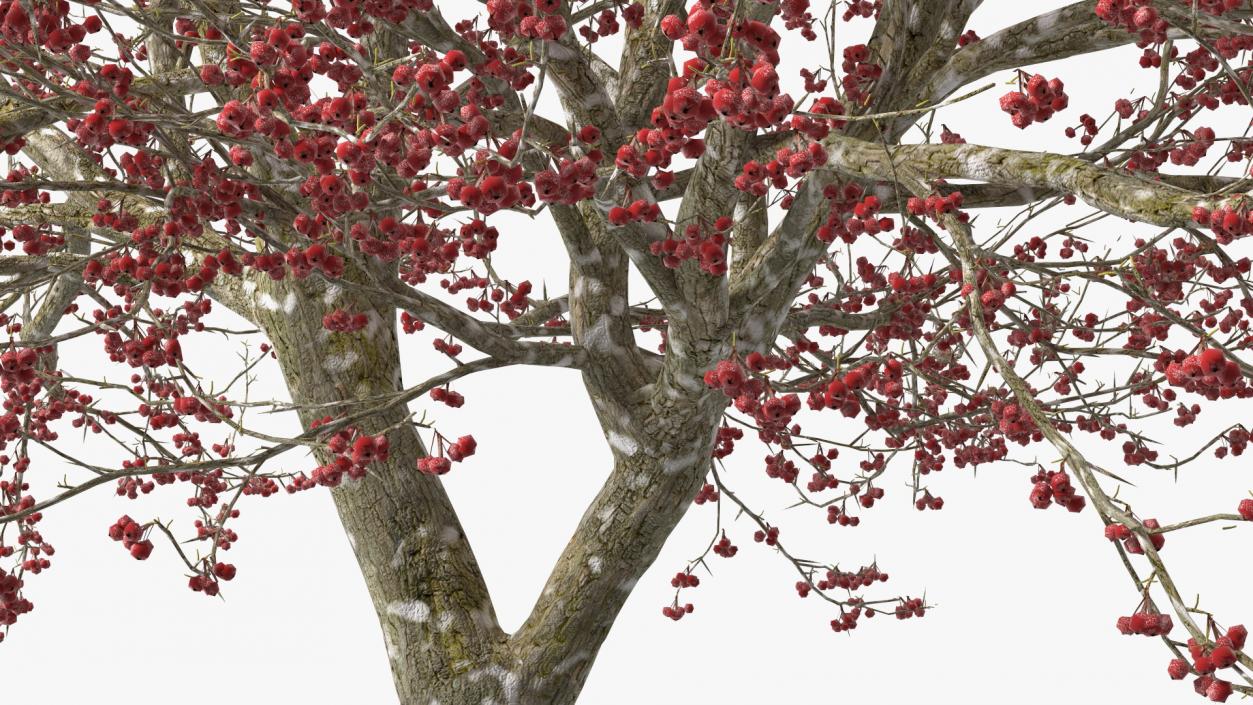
(1113, 191)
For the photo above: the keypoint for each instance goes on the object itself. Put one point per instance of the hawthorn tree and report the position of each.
(803, 244)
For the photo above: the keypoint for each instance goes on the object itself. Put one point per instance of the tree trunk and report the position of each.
(439, 625)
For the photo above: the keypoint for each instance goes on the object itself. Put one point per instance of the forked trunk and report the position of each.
(439, 626)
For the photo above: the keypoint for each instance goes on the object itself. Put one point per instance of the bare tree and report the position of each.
(316, 169)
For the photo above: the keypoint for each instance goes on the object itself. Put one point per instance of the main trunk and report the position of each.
(439, 626)
(438, 623)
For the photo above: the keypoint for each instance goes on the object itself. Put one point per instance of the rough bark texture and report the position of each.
(438, 622)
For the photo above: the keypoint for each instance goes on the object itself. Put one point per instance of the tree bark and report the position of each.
(438, 623)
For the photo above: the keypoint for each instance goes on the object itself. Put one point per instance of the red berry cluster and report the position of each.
(724, 547)
(445, 455)
(787, 164)
(1118, 532)
(1146, 624)
(676, 612)
(1054, 486)
(913, 607)
(865, 577)
(778, 466)
(848, 620)
(935, 205)
(490, 185)
(926, 501)
(447, 396)
(1035, 102)
(1135, 16)
(1190, 153)
(708, 493)
(1208, 372)
(836, 515)
(607, 22)
(770, 536)
(342, 321)
(639, 211)
(131, 534)
(708, 247)
(841, 392)
(753, 395)
(352, 453)
(684, 580)
(850, 215)
(1229, 221)
(540, 19)
(861, 8)
(817, 128)
(860, 73)
(1205, 661)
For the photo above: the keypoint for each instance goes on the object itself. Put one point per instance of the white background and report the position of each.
(1025, 600)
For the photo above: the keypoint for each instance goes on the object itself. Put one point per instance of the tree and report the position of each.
(314, 170)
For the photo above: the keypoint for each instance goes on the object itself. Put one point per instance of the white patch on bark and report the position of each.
(606, 516)
(597, 337)
(392, 652)
(333, 292)
(444, 621)
(672, 465)
(289, 303)
(1044, 23)
(336, 364)
(592, 257)
(398, 557)
(415, 611)
(595, 564)
(622, 443)
(617, 305)
(638, 480)
(267, 302)
(352, 540)
(560, 52)
(449, 534)
(510, 682)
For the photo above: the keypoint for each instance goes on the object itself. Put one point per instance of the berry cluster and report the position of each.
(1054, 486)
(131, 534)
(342, 321)
(865, 577)
(787, 164)
(860, 73)
(935, 205)
(351, 451)
(708, 247)
(1036, 101)
(1208, 372)
(1146, 624)
(447, 454)
(851, 214)
(1229, 221)
(1118, 532)
(1205, 661)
